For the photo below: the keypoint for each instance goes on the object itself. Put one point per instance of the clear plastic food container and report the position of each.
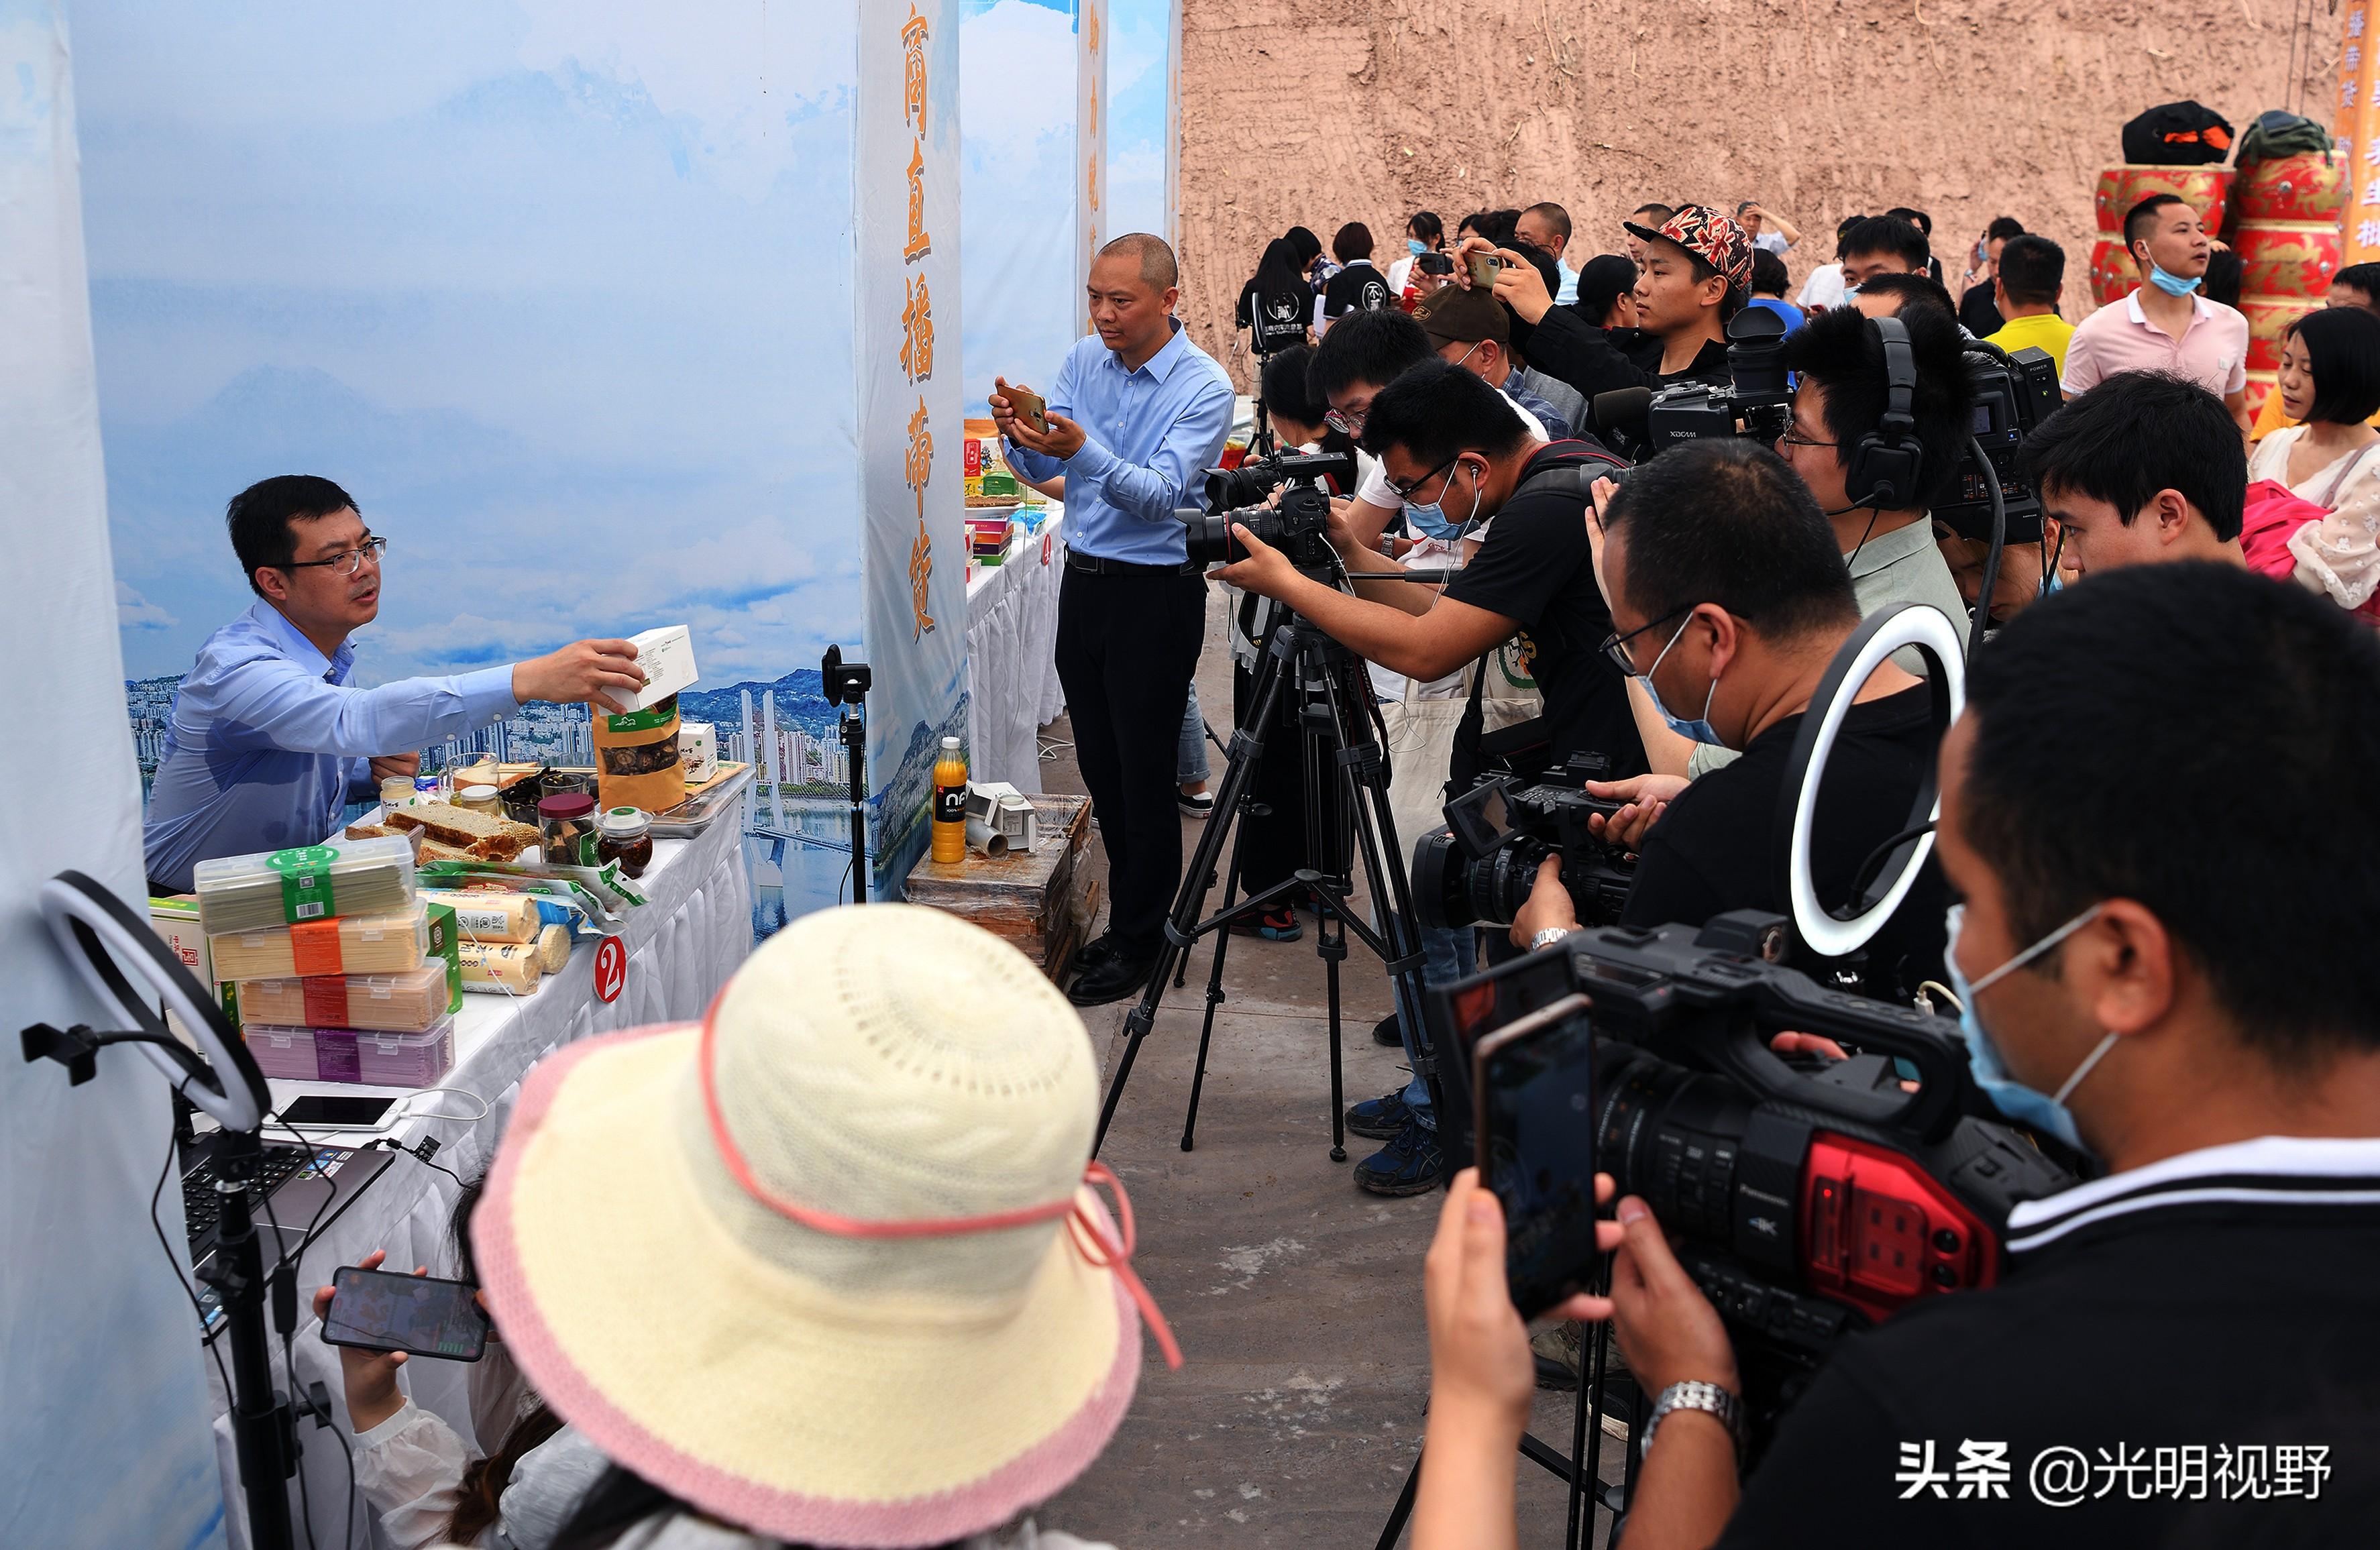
(410, 1001)
(367, 1057)
(292, 887)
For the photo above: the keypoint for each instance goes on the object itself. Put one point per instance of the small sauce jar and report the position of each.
(479, 799)
(626, 839)
(566, 823)
(397, 792)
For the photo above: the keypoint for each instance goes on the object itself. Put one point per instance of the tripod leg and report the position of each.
(1182, 925)
(1394, 1529)
(1214, 988)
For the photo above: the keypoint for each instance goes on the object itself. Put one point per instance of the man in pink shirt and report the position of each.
(2164, 324)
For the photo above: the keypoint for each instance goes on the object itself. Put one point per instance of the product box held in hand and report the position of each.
(666, 655)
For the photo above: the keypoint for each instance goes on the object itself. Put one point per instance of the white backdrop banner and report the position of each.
(1017, 148)
(1091, 227)
(910, 415)
(104, 1438)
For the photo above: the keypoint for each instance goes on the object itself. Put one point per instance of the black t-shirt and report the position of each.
(1978, 314)
(1356, 288)
(1535, 567)
(1279, 317)
(2177, 1359)
(1565, 346)
(1718, 847)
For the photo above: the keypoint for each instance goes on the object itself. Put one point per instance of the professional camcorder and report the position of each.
(2014, 392)
(1810, 1197)
(1298, 525)
(1479, 868)
(1641, 424)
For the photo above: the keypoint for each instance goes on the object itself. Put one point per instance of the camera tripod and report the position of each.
(1334, 718)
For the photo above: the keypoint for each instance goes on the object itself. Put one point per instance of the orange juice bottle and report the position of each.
(950, 803)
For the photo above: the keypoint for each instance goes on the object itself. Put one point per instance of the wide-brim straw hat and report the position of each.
(852, 1290)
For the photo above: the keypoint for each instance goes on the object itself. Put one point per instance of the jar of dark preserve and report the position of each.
(625, 836)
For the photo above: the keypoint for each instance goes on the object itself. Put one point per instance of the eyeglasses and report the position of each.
(1790, 440)
(1406, 491)
(346, 562)
(1615, 645)
(1349, 422)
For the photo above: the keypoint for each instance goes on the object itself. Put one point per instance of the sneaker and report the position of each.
(1559, 1350)
(1279, 923)
(1380, 1118)
(1197, 804)
(1409, 1165)
(1388, 1033)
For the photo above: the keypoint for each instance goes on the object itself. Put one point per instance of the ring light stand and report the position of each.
(1842, 930)
(100, 935)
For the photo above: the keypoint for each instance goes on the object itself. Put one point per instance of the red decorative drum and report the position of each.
(2308, 188)
(2287, 259)
(2112, 272)
(2267, 316)
(2120, 187)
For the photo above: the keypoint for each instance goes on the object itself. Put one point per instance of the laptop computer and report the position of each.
(307, 1189)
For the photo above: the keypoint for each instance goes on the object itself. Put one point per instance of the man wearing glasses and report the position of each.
(1728, 601)
(267, 742)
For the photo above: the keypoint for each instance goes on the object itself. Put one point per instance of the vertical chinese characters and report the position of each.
(918, 317)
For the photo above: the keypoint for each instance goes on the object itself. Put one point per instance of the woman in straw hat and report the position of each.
(828, 1267)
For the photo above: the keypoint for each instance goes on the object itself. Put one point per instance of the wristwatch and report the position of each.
(1548, 937)
(1693, 1394)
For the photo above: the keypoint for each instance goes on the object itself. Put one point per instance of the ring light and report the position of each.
(101, 935)
(1837, 933)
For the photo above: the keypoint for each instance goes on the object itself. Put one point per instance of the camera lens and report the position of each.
(1209, 539)
(1672, 1136)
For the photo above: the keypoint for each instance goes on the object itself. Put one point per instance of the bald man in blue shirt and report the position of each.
(267, 742)
(1137, 412)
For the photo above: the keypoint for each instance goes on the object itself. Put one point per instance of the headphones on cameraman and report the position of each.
(1886, 468)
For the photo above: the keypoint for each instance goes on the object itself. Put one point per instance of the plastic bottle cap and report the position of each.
(950, 745)
(624, 823)
(566, 804)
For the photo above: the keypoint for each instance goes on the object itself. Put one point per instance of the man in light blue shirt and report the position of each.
(1135, 415)
(266, 743)
(1545, 227)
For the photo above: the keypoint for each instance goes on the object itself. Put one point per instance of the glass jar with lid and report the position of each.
(626, 838)
(566, 823)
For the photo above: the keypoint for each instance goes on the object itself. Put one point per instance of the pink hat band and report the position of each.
(1089, 1236)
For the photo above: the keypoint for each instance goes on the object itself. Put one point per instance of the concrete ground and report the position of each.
(1296, 1297)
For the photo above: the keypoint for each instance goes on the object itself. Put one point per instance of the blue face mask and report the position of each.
(1700, 730)
(2171, 284)
(1433, 522)
(1416, 247)
(2026, 1106)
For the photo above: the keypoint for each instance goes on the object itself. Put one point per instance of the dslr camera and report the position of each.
(1298, 525)
(2013, 393)
(1810, 1197)
(1479, 868)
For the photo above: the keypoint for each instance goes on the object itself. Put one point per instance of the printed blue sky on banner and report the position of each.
(559, 292)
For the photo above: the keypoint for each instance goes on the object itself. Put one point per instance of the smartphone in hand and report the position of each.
(1028, 406)
(1534, 1119)
(417, 1314)
(1482, 269)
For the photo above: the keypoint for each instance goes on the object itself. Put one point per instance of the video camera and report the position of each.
(2014, 392)
(1298, 525)
(1641, 424)
(1810, 1197)
(1479, 868)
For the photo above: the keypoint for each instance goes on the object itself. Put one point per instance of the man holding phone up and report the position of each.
(1136, 413)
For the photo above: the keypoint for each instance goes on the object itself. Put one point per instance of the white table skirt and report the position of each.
(682, 944)
(1012, 688)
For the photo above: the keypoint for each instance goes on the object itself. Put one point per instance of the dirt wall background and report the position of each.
(1321, 112)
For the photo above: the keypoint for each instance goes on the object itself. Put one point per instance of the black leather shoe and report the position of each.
(1388, 1032)
(1093, 953)
(1112, 980)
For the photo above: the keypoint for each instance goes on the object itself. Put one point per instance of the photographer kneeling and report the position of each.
(1729, 599)
(2217, 1050)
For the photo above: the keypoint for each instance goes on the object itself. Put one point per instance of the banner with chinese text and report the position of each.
(1090, 145)
(910, 412)
(2357, 135)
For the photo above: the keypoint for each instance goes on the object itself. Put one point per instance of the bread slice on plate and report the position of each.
(481, 836)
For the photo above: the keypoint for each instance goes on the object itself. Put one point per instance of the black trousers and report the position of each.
(1127, 646)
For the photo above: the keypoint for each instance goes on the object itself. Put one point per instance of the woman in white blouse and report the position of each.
(2331, 379)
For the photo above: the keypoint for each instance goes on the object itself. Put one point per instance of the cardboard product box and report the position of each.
(176, 920)
(697, 749)
(667, 657)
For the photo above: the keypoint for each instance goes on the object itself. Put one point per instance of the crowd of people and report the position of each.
(860, 1290)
